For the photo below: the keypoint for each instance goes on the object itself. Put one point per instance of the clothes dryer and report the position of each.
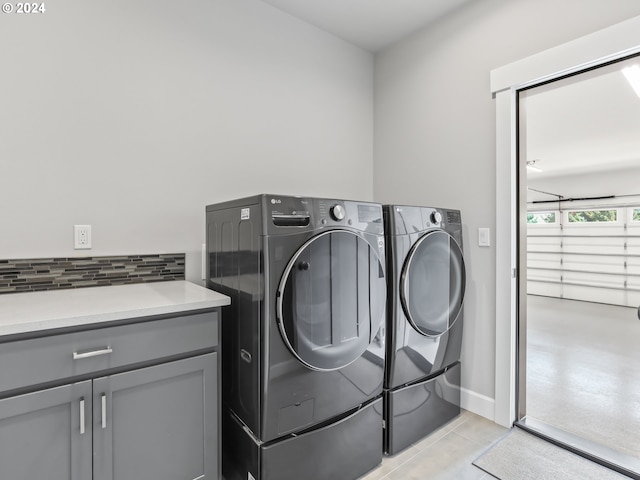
(303, 339)
(426, 286)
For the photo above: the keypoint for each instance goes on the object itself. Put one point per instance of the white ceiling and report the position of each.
(585, 124)
(370, 24)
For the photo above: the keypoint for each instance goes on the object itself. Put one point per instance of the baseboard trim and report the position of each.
(477, 403)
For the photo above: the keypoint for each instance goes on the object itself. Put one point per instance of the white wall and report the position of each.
(132, 116)
(435, 133)
(579, 185)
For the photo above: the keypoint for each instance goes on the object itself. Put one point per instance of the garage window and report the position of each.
(541, 217)
(586, 216)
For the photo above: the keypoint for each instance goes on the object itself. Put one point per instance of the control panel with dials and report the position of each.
(300, 212)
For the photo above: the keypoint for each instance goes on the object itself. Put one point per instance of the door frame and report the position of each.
(612, 43)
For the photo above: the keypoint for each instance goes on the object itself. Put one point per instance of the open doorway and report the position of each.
(579, 161)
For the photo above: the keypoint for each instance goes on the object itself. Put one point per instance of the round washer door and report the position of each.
(432, 283)
(331, 300)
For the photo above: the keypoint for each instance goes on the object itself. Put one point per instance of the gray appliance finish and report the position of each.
(303, 338)
(426, 286)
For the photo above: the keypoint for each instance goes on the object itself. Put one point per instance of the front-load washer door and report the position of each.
(432, 283)
(331, 299)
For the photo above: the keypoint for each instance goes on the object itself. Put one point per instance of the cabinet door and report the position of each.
(158, 423)
(47, 434)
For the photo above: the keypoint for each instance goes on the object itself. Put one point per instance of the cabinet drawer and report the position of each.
(46, 359)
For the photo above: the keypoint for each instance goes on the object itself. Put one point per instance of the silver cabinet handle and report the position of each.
(104, 410)
(92, 353)
(82, 416)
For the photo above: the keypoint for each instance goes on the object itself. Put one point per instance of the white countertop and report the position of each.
(34, 311)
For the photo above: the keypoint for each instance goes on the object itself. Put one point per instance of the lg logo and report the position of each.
(275, 201)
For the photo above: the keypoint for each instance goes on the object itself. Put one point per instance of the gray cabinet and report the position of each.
(158, 423)
(154, 417)
(40, 434)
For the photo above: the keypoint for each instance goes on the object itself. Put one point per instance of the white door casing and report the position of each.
(612, 43)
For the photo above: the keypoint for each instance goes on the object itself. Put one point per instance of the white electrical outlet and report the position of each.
(82, 237)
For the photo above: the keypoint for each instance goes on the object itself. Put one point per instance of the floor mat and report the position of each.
(522, 456)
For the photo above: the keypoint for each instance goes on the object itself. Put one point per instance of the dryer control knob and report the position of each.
(436, 217)
(337, 212)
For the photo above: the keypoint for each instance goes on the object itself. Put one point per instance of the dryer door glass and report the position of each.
(432, 283)
(331, 299)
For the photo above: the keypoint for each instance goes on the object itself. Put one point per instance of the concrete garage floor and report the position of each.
(583, 370)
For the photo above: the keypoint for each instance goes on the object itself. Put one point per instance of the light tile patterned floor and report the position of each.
(445, 454)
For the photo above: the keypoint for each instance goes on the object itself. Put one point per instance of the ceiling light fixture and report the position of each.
(632, 74)
(531, 165)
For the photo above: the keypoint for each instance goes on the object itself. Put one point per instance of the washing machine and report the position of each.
(303, 339)
(426, 287)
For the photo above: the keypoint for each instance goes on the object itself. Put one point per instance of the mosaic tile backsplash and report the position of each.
(59, 273)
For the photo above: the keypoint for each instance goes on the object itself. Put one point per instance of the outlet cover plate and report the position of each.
(82, 237)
